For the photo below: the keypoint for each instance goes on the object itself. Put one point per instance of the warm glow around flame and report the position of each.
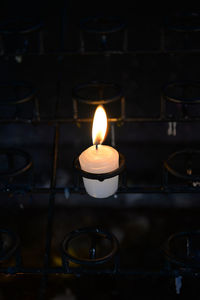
(99, 125)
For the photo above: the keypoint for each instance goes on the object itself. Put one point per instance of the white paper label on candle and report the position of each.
(98, 161)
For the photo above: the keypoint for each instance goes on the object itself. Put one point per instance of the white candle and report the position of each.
(99, 159)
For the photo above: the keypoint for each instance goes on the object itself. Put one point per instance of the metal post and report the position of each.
(50, 214)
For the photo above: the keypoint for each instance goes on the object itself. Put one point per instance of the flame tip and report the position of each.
(99, 125)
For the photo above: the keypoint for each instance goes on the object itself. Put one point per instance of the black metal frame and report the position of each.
(66, 258)
(184, 267)
(167, 27)
(163, 117)
(18, 268)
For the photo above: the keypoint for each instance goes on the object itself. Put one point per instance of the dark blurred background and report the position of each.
(141, 222)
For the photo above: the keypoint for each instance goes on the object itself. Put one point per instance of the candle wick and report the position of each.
(96, 146)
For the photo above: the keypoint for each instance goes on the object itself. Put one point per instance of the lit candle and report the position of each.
(99, 159)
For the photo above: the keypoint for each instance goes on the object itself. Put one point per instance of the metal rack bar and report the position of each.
(112, 52)
(52, 194)
(82, 271)
(53, 190)
(89, 120)
(50, 218)
(175, 189)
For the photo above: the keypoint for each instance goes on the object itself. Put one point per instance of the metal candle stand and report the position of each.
(21, 29)
(184, 26)
(102, 27)
(187, 176)
(183, 22)
(10, 153)
(94, 234)
(181, 266)
(7, 176)
(100, 99)
(182, 257)
(20, 98)
(188, 261)
(184, 102)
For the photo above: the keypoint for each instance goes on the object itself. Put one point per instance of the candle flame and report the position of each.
(99, 125)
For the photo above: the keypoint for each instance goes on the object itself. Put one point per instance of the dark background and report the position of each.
(141, 222)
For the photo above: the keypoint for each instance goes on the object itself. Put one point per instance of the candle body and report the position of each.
(98, 161)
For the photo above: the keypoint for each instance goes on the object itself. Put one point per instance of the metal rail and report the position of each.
(79, 272)
(89, 120)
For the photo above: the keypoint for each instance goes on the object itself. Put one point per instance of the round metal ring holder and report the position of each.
(10, 153)
(183, 242)
(9, 246)
(21, 27)
(184, 28)
(94, 234)
(19, 96)
(7, 176)
(192, 179)
(183, 22)
(99, 88)
(103, 176)
(103, 27)
(182, 101)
